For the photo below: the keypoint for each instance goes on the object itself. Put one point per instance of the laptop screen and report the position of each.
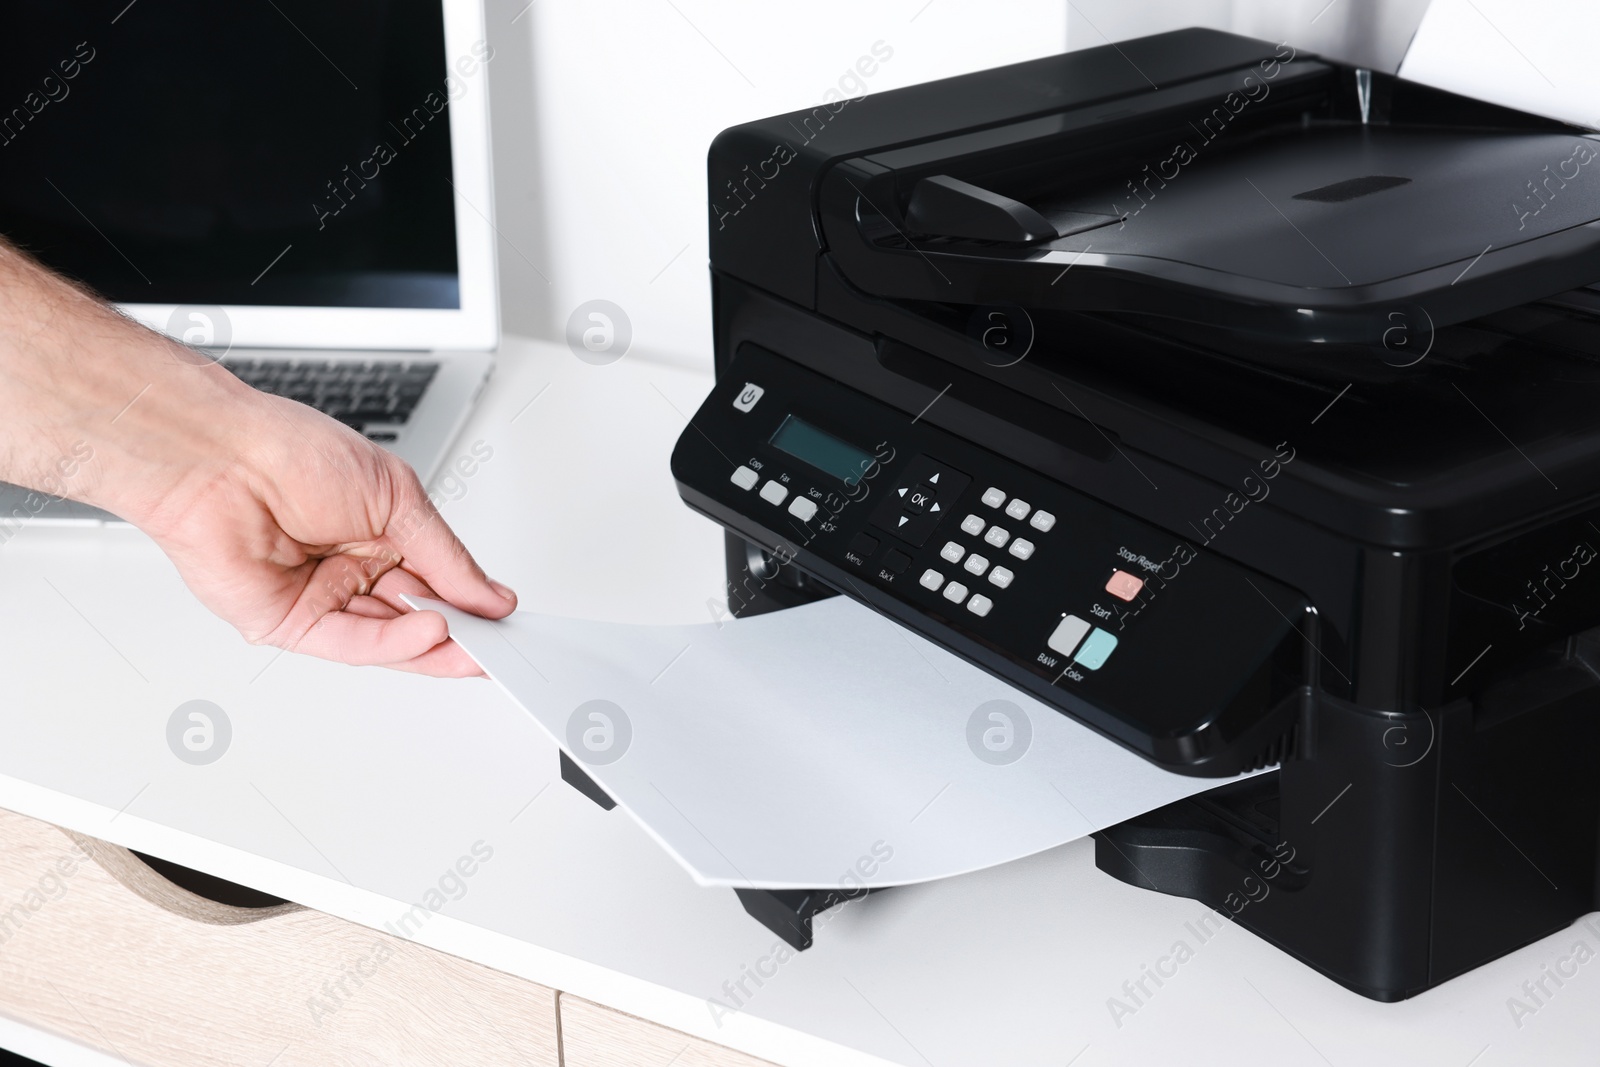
(281, 152)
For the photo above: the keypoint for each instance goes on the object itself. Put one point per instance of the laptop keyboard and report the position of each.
(366, 396)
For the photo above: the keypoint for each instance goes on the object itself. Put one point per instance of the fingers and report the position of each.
(418, 642)
(400, 582)
(372, 607)
(363, 641)
(448, 660)
(343, 614)
(431, 551)
(332, 584)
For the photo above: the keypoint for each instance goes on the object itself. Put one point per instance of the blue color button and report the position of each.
(1096, 649)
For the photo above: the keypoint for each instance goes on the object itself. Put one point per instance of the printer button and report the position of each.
(920, 499)
(997, 536)
(976, 564)
(1068, 632)
(803, 508)
(932, 579)
(1018, 509)
(748, 396)
(1123, 585)
(773, 493)
(1096, 650)
(861, 546)
(993, 497)
(980, 605)
(1001, 577)
(896, 561)
(972, 524)
(1042, 521)
(952, 552)
(1022, 548)
(745, 478)
(955, 592)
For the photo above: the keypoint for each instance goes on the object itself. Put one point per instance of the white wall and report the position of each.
(1371, 32)
(604, 109)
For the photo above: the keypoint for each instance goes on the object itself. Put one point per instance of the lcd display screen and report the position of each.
(822, 450)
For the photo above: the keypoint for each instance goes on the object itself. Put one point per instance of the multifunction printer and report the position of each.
(1241, 405)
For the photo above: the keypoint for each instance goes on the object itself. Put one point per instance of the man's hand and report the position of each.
(292, 527)
(308, 544)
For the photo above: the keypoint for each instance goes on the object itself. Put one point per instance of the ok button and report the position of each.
(919, 501)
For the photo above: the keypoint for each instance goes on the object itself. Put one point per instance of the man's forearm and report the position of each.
(296, 529)
(96, 407)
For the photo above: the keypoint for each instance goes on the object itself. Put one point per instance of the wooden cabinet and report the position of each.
(96, 946)
(596, 1036)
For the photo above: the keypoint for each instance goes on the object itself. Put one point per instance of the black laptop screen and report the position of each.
(278, 152)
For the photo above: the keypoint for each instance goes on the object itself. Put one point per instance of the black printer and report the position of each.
(1240, 404)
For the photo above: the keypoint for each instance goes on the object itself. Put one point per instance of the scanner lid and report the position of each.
(1289, 197)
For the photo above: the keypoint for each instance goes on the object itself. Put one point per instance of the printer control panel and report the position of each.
(1136, 631)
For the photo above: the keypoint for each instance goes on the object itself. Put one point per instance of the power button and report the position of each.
(748, 396)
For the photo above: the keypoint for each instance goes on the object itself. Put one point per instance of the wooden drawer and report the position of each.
(595, 1036)
(94, 945)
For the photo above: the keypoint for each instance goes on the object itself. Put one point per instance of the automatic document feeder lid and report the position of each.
(1303, 222)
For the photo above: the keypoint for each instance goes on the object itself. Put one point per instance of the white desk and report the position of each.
(352, 790)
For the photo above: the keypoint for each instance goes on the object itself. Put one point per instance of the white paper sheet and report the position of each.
(1532, 55)
(818, 746)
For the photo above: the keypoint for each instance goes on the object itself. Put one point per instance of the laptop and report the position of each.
(301, 190)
